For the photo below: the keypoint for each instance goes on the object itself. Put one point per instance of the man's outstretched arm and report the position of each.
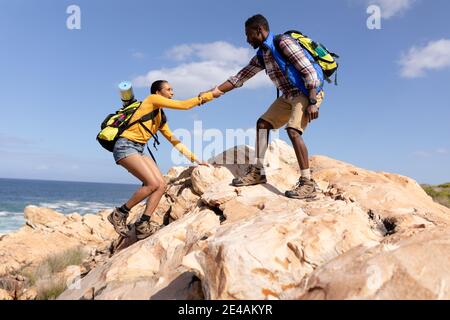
(242, 76)
(226, 86)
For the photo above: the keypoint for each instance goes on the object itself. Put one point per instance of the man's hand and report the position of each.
(312, 112)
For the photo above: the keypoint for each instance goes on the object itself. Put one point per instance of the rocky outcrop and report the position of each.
(145, 269)
(367, 235)
(48, 232)
(413, 268)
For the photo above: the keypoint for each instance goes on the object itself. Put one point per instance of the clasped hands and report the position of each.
(215, 92)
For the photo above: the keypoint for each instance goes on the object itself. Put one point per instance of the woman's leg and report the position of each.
(138, 167)
(155, 197)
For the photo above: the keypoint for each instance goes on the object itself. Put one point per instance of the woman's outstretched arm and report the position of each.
(168, 134)
(161, 102)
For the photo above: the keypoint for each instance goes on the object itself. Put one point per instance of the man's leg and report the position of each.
(301, 151)
(263, 128)
(306, 187)
(255, 173)
(275, 117)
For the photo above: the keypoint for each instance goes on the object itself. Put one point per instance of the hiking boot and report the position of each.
(145, 229)
(304, 189)
(251, 177)
(119, 221)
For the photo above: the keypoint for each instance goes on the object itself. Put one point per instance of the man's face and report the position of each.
(254, 37)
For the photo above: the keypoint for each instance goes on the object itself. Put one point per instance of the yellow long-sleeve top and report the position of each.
(137, 132)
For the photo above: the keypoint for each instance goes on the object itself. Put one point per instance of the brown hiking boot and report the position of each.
(119, 221)
(252, 176)
(304, 189)
(145, 229)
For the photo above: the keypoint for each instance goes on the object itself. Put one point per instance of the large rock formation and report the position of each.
(367, 235)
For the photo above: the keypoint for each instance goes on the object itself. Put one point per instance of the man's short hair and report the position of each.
(256, 21)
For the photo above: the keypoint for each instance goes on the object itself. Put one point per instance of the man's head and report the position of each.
(256, 30)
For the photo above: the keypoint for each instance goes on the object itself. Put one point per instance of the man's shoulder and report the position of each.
(286, 40)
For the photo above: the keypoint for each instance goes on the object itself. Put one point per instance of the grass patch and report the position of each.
(49, 283)
(439, 193)
(50, 289)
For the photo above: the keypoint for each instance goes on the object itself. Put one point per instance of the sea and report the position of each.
(61, 196)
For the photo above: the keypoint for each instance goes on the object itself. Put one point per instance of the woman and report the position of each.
(129, 153)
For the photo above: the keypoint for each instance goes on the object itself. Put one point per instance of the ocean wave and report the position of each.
(10, 214)
(81, 207)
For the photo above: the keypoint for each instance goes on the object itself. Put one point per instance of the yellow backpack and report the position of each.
(325, 58)
(116, 123)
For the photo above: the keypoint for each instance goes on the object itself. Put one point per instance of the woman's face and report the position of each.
(166, 90)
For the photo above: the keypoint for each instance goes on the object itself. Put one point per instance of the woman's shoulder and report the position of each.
(149, 101)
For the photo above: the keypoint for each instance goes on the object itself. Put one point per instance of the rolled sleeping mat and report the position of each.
(126, 91)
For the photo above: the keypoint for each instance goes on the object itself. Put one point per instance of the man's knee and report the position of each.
(294, 133)
(263, 124)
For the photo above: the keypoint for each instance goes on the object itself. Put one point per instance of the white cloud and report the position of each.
(391, 8)
(434, 56)
(201, 66)
(442, 151)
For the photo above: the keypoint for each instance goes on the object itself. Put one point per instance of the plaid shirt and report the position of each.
(295, 55)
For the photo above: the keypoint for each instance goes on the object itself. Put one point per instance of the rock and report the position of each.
(203, 177)
(75, 217)
(140, 270)
(4, 295)
(263, 255)
(174, 173)
(413, 268)
(184, 202)
(29, 294)
(389, 196)
(20, 278)
(219, 194)
(36, 216)
(53, 233)
(71, 272)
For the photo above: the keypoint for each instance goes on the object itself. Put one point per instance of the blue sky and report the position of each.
(390, 111)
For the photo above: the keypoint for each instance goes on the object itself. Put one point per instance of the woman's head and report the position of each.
(163, 88)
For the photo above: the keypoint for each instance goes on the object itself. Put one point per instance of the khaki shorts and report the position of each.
(290, 112)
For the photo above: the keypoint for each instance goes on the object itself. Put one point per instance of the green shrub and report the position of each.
(440, 193)
(45, 276)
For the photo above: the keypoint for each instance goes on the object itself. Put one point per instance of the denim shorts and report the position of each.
(124, 148)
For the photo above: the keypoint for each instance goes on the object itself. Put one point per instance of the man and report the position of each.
(300, 81)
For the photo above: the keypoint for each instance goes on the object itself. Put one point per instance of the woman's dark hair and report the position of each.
(157, 86)
(256, 21)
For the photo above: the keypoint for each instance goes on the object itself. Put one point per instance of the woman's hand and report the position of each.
(216, 92)
(202, 163)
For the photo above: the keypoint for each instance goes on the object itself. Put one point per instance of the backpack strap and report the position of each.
(276, 42)
(145, 118)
